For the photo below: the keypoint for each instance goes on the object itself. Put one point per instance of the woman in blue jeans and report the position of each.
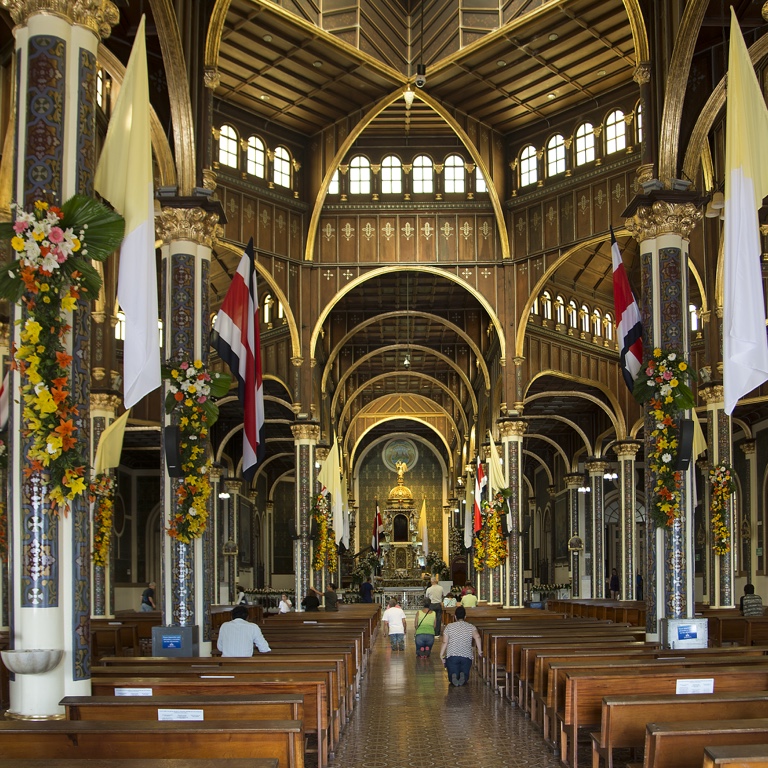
(456, 650)
(425, 629)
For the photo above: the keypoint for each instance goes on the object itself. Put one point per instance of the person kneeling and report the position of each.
(456, 650)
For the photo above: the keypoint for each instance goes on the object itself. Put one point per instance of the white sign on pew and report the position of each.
(133, 691)
(706, 685)
(180, 714)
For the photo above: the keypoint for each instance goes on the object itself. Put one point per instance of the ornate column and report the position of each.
(573, 482)
(719, 449)
(103, 411)
(54, 158)
(596, 470)
(216, 525)
(626, 452)
(511, 432)
(318, 577)
(4, 582)
(747, 538)
(305, 435)
(233, 487)
(661, 223)
(269, 542)
(187, 228)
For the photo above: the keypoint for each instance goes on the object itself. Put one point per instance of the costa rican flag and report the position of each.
(628, 326)
(378, 529)
(236, 338)
(480, 483)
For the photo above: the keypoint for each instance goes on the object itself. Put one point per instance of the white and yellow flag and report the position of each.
(423, 528)
(124, 177)
(745, 345)
(330, 477)
(110, 445)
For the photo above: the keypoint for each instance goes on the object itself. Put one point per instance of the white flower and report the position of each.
(672, 356)
(666, 457)
(651, 383)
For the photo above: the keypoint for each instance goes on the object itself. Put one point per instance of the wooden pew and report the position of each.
(313, 687)
(738, 756)
(682, 744)
(253, 762)
(114, 636)
(624, 718)
(76, 739)
(585, 688)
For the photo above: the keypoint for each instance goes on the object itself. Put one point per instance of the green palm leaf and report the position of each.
(104, 229)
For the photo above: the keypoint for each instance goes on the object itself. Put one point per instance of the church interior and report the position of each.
(433, 190)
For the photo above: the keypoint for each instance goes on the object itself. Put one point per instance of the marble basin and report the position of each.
(31, 662)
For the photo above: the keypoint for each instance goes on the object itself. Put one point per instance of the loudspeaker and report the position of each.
(292, 530)
(504, 526)
(313, 528)
(685, 444)
(526, 526)
(172, 438)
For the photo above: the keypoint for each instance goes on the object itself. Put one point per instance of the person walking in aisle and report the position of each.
(435, 594)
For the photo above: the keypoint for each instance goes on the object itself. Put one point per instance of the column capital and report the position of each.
(306, 431)
(233, 485)
(97, 15)
(642, 74)
(211, 78)
(321, 453)
(712, 394)
(252, 496)
(573, 480)
(105, 402)
(512, 428)
(749, 448)
(552, 490)
(627, 449)
(663, 212)
(215, 473)
(193, 219)
(596, 467)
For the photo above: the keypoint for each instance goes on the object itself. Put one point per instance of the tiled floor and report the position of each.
(409, 716)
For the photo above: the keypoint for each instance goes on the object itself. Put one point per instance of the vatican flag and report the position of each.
(110, 445)
(124, 177)
(745, 345)
(423, 528)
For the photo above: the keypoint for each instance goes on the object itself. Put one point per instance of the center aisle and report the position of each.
(409, 716)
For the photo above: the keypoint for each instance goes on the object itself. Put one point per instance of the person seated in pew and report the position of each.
(751, 604)
(238, 636)
(470, 599)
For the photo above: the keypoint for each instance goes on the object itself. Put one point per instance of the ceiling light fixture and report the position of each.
(553, 36)
(501, 63)
(267, 38)
(551, 96)
(317, 64)
(408, 97)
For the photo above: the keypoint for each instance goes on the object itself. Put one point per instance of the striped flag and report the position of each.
(745, 349)
(480, 483)
(423, 532)
(124, 177)
(236, 338)
(5, 396)
(628, 326)
(378, 529)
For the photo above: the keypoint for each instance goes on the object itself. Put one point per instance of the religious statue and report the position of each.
(402, 468)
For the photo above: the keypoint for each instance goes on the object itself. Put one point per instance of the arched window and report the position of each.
(255, 159)
(585, 144)
(694, 312)
(480, 185)
(100, 87)
(556, 155)
(639, 114)
(529, 171)
(584, 317)
(333, 187)
(391, 176)
(266, 309)
(559, 310)
(572, 314)
(120, 325)
(597, 322)
(546, 305)
(282, 169)
(454, 175)
(535, 307)
(423, 175)
(360, 176)
(608, 325)
(615, 132)
(228, 146)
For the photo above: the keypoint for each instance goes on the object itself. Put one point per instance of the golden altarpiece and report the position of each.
(402, 554)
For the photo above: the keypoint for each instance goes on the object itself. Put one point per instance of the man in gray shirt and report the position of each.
(435, 594)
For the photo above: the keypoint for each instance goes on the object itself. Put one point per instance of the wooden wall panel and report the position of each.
(250, 208)
(600, 206)
(232, 206)
(486, 238)
(368, 239)
(388, 238)
(281, 231)
(407, 234)
(328, 236)
(427, 239)
(520, 234)
(566, 217)
(535, 229)
(466, 236)
(265, 225)
(617, 191)
(447, 238)
(551, 228)
(296, 239)
(583, 214)
(348, 239)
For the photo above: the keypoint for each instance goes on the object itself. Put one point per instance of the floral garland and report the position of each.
(103, 494)
(723, 487)
(550, 587)
(3, 508)
(325, 540)
(662, 385)
(491, 547)
(51, 271)
(190, 392)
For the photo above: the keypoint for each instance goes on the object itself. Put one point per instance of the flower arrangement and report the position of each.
(723, 486)
(455, 542)
(436, 564)
(491, 546)
(53, 248)
(325, 540)
(662, 384)
(191, 390)
(103, 495)
(550, 587)
(366, 565)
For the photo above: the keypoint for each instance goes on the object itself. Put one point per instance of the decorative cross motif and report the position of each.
(264, 217)
(486, 273)
(328, 232)
(447, 230)
(388, 230)
(407, 230)
(466, 230)
(427, 230)
(327, 274)
(369, 231)
(485, 230)
(348, 274)
(348, 230)
(278, 266)
(466, 273)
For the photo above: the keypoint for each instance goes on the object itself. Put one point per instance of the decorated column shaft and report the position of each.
(596, 470)
(661, 223)
(217, 528)
(233, 527)
(187, 230)
(573, 483)
(746, 537)
(511, 432)
(626, 453)
(318, 576)
(719, 451)
(54, 154)
(305, 437)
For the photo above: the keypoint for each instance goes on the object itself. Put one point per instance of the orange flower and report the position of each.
(63, 359)
(58, 395)
(179, 396)
(65, 428)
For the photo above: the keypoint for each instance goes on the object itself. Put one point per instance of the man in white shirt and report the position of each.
(238, 636)
(394, 625)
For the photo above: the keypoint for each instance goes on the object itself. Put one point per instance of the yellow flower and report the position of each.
(44, 402)
(76, 487)
(44, 288)
(31, 331)
(46, 299)
(657, 352)
(41, 205)
(76, 244)
(683, 366)
(198, 363)
(17, 243)
(68, 303)
(38, 236)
